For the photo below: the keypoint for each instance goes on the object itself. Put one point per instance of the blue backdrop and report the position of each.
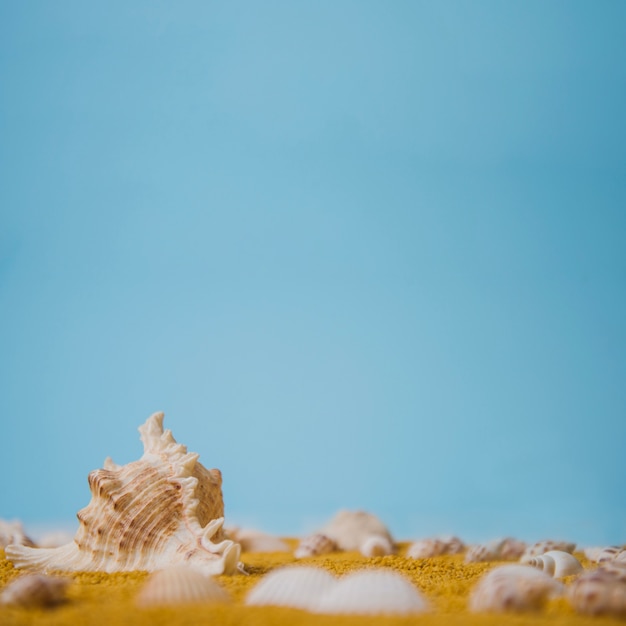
(363, 254)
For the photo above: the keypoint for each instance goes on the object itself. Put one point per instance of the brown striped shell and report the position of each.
(162, 509)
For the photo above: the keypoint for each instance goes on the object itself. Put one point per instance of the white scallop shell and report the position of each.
(35, 590)
(12, 532)
(163, 509)
(315, 545)
(600, 592)
(541, 547)
(513, 588)
(316, 590)
(556, 563)
(180, 584)
(373, 592)
(292, 586)
(252, 540)
(350, 530)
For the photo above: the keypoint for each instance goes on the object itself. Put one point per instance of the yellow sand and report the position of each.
(108, 599)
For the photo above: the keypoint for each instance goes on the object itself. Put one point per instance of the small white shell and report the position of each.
(434, 546)
(293, 586)
(351, 529)
(373, 592)
(426, 549)
(376, 545)
(180, 584)
(599, 592)
(35, 590)
(556, 563)
(513, 588)
(603, 554)
(541, 547)
(481, 553)
(315, 545)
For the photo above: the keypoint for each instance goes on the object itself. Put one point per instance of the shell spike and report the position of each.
(187, 464)
(209, 531)
(151, 431)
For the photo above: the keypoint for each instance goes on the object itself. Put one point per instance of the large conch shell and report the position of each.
(164, 509)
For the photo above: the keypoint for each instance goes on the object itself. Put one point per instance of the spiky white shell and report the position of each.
(376, 545)
(12, 532)
(604, 554)
(513, 588)
(292, 586)
(163, 509)
(180, 584)
(373, 592)
(314, 545)
(600, 592)
(555, 563)
(350, 530)
(35, 590)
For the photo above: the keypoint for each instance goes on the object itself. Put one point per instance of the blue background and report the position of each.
(363, 254)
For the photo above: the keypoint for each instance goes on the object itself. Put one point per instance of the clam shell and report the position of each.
(556, 563)
(180, 584)
(350, 530)
(12, 532)
(600, 592)
(162, 509)
(315, 545)
(373, 592)
(292, 586)
(35, 590)
(513, 588)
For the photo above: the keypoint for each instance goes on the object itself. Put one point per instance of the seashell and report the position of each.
(601, 555)
(373, 592)
(376, 545)
(54, 539)
(351, 530)
(256, 541)
(481, 553)
(434, 546)
(556, 563)
(620, 557)
(541, 547)
(513, 587)
(13, 533)
(180, 584)
(600, 592)
(315, 545)
(511, 549)
(35, 590)
(162, 509)
(316, 590)
(292, 586)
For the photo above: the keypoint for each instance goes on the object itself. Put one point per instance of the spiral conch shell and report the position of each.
(556, 563)
(163, 509)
